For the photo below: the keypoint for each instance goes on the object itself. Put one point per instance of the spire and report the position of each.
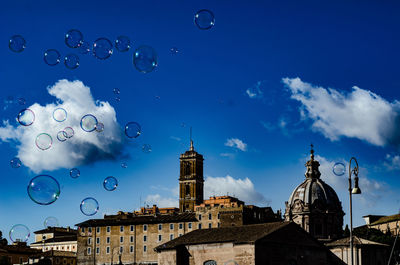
(312, 166)
(191, 141)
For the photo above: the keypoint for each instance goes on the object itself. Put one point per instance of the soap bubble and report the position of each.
(204, 19)
(44, 189)
(71, 61)
(26, 117)
(88, 123)
(145, 59)
(74, 173)
(123, 44)
(73, 38)
(19, 233)
(60, 114)
(50, 221)
(116, 91)
(15, 162)
(43, 141)
(132, 129)
(21, 101)
(89, 206)
(17, 43)
(102, 48)
(52, 57)
(339, 169)
(124, 165)
(146, 148)
(84, 48)
(69, 132)
(99, 127)
(174, 50)
(62, 136)
(110, 183)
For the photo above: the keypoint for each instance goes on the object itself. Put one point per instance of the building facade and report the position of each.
(17, 253)
(315, 206)
(56, 238)
(390, 223)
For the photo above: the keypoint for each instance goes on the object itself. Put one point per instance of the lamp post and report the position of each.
(355, 190)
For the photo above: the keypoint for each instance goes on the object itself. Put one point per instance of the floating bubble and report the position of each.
(123, 43)
(52, 57)
(62, 136)
(116, 91)
(15, 162)
(124, 165)
(102, 48)
(69, 132)
(19, 233)
(174, 50)
(44, 189)
(43, 141)
(71, 61)
(339, 169)
(99, 127)
(146, 148)
(74, 173)
(88, 123)
(132, 129)
(60, 114)
(110, 183)
(204, 19)
(21, 101)
(26, 117)
(50, 221)
(89, 206)
(145, 59)
(73, 38)
(17, 43)
(84, 48)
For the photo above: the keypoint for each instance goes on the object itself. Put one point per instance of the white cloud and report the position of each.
(243, 189)
(255, 91)
(236, 143)
(161, 201)
(229, 155)
(392, 162)
(83, 147)
(359, 114)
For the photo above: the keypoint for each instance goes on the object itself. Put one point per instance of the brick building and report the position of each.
(384, 223)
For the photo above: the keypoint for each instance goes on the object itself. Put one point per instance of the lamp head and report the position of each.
(356, 189)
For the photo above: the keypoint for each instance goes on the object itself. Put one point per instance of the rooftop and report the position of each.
(57, 230)
(357, 241)
(387, 219)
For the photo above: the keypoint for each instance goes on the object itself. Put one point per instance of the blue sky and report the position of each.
(266, 81)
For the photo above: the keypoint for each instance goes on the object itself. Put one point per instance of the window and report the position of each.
(97, 250)
(97, 229)
(121, 228)
(132, 228)
(108, 240)
(131, 239)
(62, 247)
(131, 249)
(144, 227)
(159, 226)
(218, 216)
(180, 226)
(180, 234)
(159, 238)
(190, 225)
(199, 226)
(219, 224)
(121, 249)
(90, 230)
(89, 241)
(108, 229)
(209, 225)
(144, 238)
(67, 247)
(209, 216)
(171, 236)
(108, 250)
(121, 239)
(171, 226)
(89, 251)
(83, 230)
(98, 240)
(210, 262)
(199, 217)
(144, 248)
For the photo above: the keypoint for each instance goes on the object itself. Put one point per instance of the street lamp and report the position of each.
(355, 190)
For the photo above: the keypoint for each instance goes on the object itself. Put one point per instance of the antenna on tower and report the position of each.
(191, 141)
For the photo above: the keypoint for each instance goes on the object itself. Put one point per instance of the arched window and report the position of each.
(210, 262)
(187, 190)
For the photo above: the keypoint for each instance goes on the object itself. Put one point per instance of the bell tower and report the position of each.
(191, 181)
